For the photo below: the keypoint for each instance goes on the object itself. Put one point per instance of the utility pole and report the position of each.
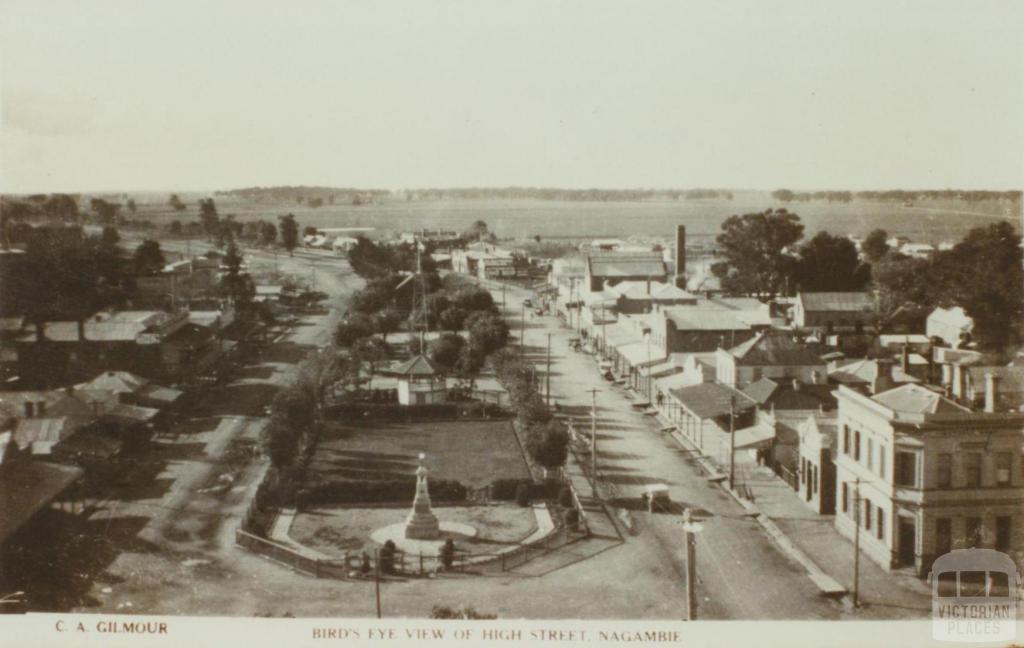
(690, 531)
(856, 543)
(377, 579)
(593, 437)
(522, 332)
(502, 296)
(732, 441)
(547, 375)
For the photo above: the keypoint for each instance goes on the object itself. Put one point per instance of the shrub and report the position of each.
(572, 519)
(448, 553)
(565, 497)
(390, 490)
(523, 495)
(387, 557)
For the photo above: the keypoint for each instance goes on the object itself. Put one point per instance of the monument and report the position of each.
(422, 523)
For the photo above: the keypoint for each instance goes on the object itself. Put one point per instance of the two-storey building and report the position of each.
(919, 475)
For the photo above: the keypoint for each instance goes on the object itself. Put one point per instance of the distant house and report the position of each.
(833, 311)
(343, 244)
(770, 354)
(420, 382)
(870, 376)
(642, 296)
(615, 267)
(951, 325)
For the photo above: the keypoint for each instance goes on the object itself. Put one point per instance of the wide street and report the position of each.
(741, 573)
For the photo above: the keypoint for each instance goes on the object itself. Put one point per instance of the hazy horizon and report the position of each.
(117, 96)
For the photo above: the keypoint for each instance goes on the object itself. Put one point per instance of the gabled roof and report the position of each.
(626, 264)
(419, 365)
(781, 395)
(774, 348)
(26, 487)
(711, 400)
(915, 399)
(116, 381)
(837, 301)
(688, 318)
(864, 371)
(657, 290)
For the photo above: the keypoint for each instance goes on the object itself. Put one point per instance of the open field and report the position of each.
(474, 453)
(335, 531)
(924, 221)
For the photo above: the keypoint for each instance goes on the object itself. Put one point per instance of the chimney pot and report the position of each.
(990, 392)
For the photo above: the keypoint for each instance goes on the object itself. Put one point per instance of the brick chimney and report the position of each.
(883, 375)
(991, 382)
(680, 278)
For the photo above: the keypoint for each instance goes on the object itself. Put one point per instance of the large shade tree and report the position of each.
(756, 250)
(830, 264)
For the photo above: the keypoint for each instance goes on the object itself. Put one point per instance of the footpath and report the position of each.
(812, 541)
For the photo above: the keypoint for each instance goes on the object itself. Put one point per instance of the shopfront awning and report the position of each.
(760, 435)
(641, 354)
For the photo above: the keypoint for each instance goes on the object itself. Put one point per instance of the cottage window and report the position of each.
(870, 453)
(846, 440)
(881, 461)
(846, 498)
(881, 523)
(856, 445)
(867, 514)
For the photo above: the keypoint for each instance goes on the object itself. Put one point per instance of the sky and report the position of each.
(131, 95)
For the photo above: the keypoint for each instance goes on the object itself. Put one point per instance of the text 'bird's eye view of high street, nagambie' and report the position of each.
(437, 386)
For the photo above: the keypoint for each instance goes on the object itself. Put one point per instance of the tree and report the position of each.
(474, 299)
(105, 212)
(782, 195)
(236, 285)
(176, 203)
(387, 321)
(444, 612)
(477, 231)
(452, 318)
(267, 233)
(175, 228)
(875, 245)
(353, 328)
(132, 207)
(369, 259)
(148, 258)
(280, 442)
(901, 282)
(830, 264)
(755, 249)
(985, 277)
(446, 351)
(110, 237)
(289, 232)
(209, 218)
(61, 207)
(487, 332)
(548, 444)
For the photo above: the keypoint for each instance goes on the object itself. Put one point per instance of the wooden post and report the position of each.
(593, 441)
(547, 374)
(377, 579)
(691, 575)
(732, 441)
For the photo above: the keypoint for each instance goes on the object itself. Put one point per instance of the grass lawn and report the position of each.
(474, 453)
(335, 531)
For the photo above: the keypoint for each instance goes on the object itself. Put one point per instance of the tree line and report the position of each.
(762, 256)
(895, 195)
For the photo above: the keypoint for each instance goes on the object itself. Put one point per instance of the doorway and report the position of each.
(906, 541)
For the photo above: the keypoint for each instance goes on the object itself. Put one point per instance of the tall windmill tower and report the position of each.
(418, 319)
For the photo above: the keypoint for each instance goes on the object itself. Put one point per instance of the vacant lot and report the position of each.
(474, 453)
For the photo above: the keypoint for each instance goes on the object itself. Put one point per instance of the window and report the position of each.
(870, 453)
(814, 481)
(846, 498)
(881, 461)
(803, 470)
(1003, 533)
(846, 440)
(972, 531)
(1004, 464)
(972, 469)
(943, 536)
(906, 469)
(944, 463)
(881, 523)
(856, 445)
(867, 514)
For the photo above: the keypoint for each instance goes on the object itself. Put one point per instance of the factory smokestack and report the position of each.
(680, 279)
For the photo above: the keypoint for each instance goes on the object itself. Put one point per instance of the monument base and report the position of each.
(422, 526)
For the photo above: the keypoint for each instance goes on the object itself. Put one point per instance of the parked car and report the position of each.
(656, 498)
